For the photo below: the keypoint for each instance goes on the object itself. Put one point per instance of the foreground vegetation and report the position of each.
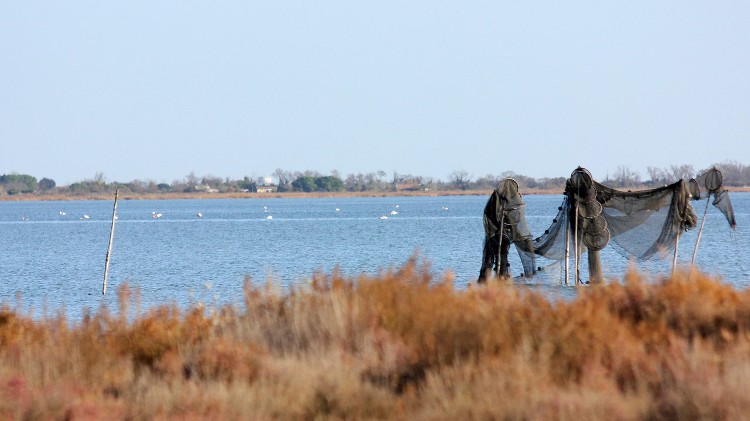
(398, 346)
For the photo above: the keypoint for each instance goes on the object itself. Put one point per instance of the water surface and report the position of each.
(53, 257)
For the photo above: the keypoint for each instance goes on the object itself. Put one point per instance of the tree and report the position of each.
(18, 183)
(248, 184)
(284, 177)
(212, 181)
(305, 184)
(329, 183)
(99, 178)
(683, 171)
(355, 182)
(625, 177)
(733, 173)
(46, 184)
(460, 179)
(489, 181)
(191, 180)
(657, 175)
(374, 182)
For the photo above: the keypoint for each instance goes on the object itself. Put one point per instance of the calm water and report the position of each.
(54, 260)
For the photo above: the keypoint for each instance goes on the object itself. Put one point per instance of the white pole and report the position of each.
(700, 231)
(109, 248)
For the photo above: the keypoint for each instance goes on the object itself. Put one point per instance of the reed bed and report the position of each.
(400, 345)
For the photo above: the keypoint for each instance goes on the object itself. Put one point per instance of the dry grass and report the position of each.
(397, 346)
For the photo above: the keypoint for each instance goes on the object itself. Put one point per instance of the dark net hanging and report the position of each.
(505, 223)
(710, 184)
(640, 225)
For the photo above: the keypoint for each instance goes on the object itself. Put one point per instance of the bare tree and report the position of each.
(460, 179)
(734, 173)
(99, 178)
(624, 176)
(657, 175)
(488, 181)
(684, 171)
(191, 180)
(284, 177)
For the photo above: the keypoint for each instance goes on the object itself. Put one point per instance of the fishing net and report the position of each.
(646, 223)
(710, 183)
(640, 225)
(505, 223)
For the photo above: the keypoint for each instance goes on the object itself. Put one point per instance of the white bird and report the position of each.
(200, 214)
(393, 212)
(265, 209)
(155, 215)
(269, 217)
(85, 217)
(337, 209)
(383, 217)
(62, 213)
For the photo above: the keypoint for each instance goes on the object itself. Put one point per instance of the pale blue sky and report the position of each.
(157, 89)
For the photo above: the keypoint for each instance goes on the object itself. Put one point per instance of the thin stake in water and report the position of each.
(700, 231)
(109, 248)
(567, 242)
(501, 270)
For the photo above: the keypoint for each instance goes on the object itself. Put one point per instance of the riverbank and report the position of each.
(241, 195)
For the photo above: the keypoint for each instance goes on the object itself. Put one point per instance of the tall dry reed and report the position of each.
(400, 345)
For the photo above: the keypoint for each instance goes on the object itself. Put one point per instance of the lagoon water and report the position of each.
(53, 259)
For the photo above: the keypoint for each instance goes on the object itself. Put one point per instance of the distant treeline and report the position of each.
(735, 175)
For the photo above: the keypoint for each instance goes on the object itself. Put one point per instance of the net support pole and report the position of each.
(500, 242)
(575, 243)
(700, 231)
(676, 246)
(109, 248)
(567, 249)
(596, 275)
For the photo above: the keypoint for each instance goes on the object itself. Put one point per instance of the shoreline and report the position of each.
(286, 195)
(265, 196)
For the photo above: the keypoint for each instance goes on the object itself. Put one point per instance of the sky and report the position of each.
(155, 90)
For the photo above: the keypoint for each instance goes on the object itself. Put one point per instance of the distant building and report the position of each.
(265, 185)
(205, 188)
(266, 189)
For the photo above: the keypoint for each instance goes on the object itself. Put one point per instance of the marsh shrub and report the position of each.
(400, 345)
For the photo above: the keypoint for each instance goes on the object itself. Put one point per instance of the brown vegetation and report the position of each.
(398, 346)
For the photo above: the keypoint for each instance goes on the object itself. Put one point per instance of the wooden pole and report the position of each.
(500, 243)
(676, 246)
(567, 244)
(575, 242)
(595, 267)
(700, 231)
(109, 248)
